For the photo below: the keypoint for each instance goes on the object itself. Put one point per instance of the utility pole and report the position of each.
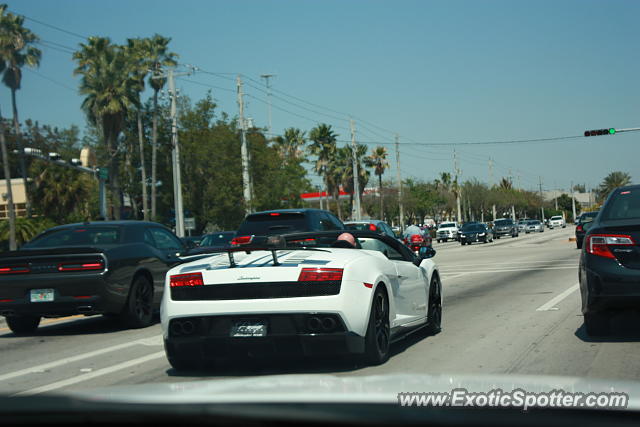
(356, 183)
(555, 194)
(244, 151)
(399, 178)
(175, 156)
(491, 183)
(175, 148)
(573, 202)
(457, 184)
(541, 199)
(266, 78)
(7, 177)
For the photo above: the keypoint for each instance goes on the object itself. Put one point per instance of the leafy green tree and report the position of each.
(16, 51)
(379, 161)
(341, 171)
(64, 195)
(110, 92)
(611, 182)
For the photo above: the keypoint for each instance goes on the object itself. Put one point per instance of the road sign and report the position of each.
(190, 223)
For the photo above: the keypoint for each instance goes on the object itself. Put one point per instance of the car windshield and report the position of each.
(77, 236)
(216, 239)
(479, 137)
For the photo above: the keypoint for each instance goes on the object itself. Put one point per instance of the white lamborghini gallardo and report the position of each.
(300, 294)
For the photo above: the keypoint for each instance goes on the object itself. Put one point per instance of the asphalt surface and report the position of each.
(511, 306)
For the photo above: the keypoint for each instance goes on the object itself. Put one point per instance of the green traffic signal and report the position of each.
(612, 131)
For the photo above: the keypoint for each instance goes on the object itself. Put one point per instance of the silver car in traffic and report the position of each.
(534, 226)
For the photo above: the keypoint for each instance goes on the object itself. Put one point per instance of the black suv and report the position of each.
(504, 227)
(285, 221)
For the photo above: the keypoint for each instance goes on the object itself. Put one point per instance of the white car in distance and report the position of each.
(301, 294)
(557, 221)
(447, 231)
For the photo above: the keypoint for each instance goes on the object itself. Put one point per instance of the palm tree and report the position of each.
(611, 182)
(289, 145)
(111, 92)
(138, 49)
(343, 167)
(379, 161)
(324, 148)
(506, 184)
(17, 51)
(158, 56)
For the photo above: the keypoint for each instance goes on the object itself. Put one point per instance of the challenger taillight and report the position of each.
(15, 269)
(579, 228)
(416, 238)
(599, 244)
(241, 240)
(320, 274)
(189, 279)
(80, 266)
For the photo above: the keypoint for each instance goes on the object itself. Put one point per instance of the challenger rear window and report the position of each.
(623, 205)
(269, 224)
(81, 236)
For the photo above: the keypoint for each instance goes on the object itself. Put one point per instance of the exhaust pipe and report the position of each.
(176, 328)
(7, 313)
(328, 324)
(188, 327)
(314, 324)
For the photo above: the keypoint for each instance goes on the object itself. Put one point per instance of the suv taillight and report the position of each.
(189, 279)
(598, 244)
(241, 240)
(320, 274)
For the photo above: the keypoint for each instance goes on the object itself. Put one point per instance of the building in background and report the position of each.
(584, 200)
(19, 198)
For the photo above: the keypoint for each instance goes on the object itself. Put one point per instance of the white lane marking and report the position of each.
(454, 276)
(506, 270)
(66, 360)
(91, 375)
(506, 263)
(551, 305)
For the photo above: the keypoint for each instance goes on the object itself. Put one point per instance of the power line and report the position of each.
(205, 85)
(71, 33)
(51, 80)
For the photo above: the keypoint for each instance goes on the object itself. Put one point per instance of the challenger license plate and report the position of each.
(249, 328)
(41, 295)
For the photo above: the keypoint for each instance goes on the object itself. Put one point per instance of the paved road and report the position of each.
(511, 306)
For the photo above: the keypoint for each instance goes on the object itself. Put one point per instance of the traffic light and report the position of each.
(598, 132)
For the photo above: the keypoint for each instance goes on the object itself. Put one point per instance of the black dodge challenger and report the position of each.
(108, 267)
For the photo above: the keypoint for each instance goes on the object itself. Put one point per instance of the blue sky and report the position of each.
(449, 71)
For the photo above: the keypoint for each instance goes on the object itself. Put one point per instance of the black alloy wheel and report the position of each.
(378, 337)
(23, 324)
(138, 313)
(434, 312)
